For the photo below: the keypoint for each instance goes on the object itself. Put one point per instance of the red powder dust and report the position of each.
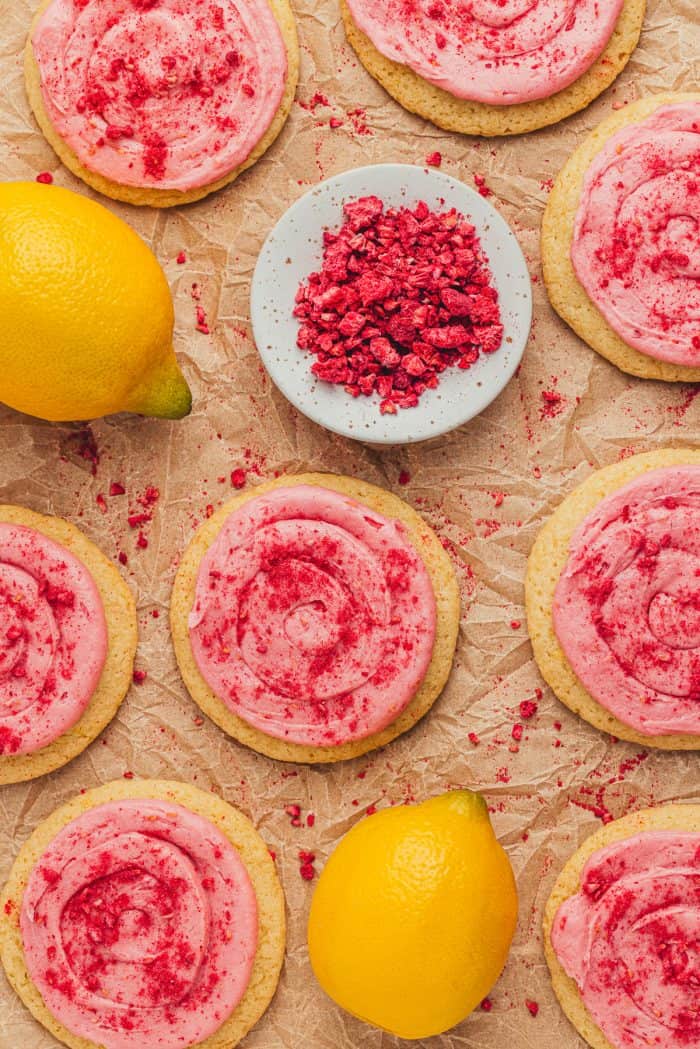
(403, 294)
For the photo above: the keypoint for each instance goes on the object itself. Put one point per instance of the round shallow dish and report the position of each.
(294, 249)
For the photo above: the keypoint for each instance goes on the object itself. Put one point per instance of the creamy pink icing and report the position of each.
(627, 604)
(139, 925)
(53, 639)
(496, 51)
(630, 938)
(165, 94)
(636, 242)
(314, 617)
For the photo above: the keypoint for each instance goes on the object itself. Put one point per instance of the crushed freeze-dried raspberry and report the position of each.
(403, 294)
(528, 709)
(306, 865)
(434, 160)
(45, 177)
(238, 478)
(532, 1007)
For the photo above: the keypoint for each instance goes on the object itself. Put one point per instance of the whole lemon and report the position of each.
(413, 916)
(87, 315)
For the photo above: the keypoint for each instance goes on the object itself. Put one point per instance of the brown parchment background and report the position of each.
(510, 449)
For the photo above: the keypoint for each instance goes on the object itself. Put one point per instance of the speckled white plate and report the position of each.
(294, 249)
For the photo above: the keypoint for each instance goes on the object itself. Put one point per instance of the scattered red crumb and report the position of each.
(117, 489)
(515, 624)
(45, 177)
(238, 477)
(310, 819)
(517, 732)
(208, 510)
(487, 1005)
(306, 868)
(403, 294)
(101, 502)
(503, 775)
(498, 498)
(181, 259)
(335, 123)
(528, 709)
(122, 558)
(128, 775)
(404, 477)
(198, 721)
(273, 854)
(8, 906)
(202, 323)
(141, 541)
(370, 810)
(140, 676)
(474, 739)
(532, 1007)
(434, 160)
(553, 404)
(483, 189)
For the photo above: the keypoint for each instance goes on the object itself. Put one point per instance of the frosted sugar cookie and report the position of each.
(161, 102)
(499, 67)
(619, 239)
(67, 642)
(144, 914)
(613, 599)
(621, 930)
(315, 617)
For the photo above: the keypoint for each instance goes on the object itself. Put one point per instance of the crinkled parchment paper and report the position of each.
(486, 489)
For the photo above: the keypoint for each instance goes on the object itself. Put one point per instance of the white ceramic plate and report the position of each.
(294, 249)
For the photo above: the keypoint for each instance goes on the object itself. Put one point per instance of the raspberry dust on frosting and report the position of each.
(139, 926)
(630, 937)
(164, 94)
(314, 618)
(53, 639)
(627, 604)
(499, 52)
(636, 243)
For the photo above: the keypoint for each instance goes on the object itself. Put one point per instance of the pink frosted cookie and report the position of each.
(308, 619)
(621, 932)
(67, 642)
(494, 67)
(161, 101)
(613, 599)
(148, 916)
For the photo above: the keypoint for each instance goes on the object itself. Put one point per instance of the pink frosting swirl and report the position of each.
(500, 52)
(53, 639)
(627, 604)
(139, 925)
(314, 617)
(630, 938)
(163, 94)
(636, 242)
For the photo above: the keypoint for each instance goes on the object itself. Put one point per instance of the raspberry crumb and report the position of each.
(532, 1007)
(306, 868)
(473, 738)
(528, 709)
(487, 1005)
(139, 676)
(482, 188)
(404, 477)
(310, 819)
(434, 160)
(517, 733)
(117, 489)
(238, 477)
(45, 177)
(128, 775)
(515, 624)
(181, 259)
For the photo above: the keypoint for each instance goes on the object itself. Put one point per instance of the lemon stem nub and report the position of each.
(163, 393)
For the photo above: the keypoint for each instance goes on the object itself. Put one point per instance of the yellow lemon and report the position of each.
(87, 315)
(413, 916)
